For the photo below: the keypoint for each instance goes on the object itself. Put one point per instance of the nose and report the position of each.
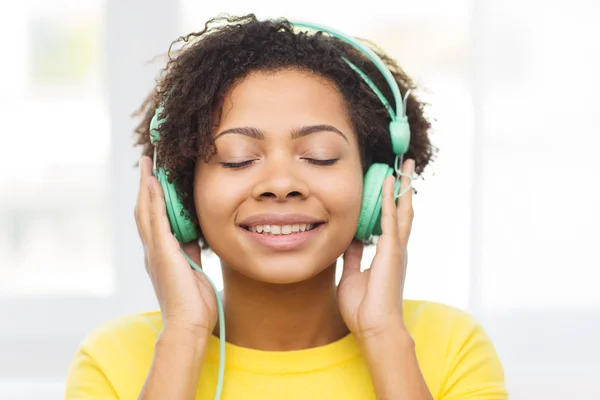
(280, 183)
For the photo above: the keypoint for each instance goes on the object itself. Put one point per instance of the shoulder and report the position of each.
(442, 327)
(126, 330)
(456, 356)
(421, 315)
(131, 337)
(115, 357)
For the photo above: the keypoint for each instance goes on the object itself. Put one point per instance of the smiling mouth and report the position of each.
(281, 230)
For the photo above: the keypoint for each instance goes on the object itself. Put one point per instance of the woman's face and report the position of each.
(280, 200)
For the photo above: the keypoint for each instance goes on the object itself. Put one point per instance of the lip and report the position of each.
(279, 219)
(288, 242)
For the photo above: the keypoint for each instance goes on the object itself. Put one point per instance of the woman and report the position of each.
(280, 146)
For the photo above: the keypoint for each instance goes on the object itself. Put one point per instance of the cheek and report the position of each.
(342, 197)
(215, 202)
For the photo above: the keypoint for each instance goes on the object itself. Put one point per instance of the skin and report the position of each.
(281, 299)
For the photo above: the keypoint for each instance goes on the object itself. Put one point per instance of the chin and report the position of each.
(283, 271)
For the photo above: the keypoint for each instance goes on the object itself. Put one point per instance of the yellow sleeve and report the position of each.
(113, 360)
(87, 381)
(473, 368)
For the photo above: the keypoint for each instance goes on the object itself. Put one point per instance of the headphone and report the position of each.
(369, 221)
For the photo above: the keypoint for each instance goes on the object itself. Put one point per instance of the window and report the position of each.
(536, 220)
(70, 258)
(55, 153)
(539, 146)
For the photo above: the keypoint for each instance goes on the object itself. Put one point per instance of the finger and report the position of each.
(405, 209)
(352, 257)
(389, 219)
(388, 249)
(162, 238)
(143, 203)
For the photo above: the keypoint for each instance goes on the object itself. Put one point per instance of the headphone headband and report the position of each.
(399, 127)
(375, 59)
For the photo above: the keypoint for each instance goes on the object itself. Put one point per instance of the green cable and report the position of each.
(221, 326)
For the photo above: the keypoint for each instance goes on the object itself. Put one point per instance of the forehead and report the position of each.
(279, 100)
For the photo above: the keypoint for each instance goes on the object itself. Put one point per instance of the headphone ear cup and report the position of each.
(369, 221)
(183, 229)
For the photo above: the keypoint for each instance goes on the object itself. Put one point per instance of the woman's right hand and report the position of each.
(186, 297)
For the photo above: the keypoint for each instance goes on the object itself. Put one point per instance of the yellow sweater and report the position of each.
(456, 358)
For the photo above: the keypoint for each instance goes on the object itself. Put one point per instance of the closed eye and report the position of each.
(236, 165)
(314, 161)
(322, 162)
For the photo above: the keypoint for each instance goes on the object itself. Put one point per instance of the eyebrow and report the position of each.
(297, 133)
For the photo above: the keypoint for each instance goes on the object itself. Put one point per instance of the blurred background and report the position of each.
(507, 219)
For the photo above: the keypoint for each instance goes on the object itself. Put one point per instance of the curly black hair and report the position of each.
(197, 76)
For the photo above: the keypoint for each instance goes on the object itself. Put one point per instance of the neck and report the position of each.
(276, 317)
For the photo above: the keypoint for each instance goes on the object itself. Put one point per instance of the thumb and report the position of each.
(352, 258)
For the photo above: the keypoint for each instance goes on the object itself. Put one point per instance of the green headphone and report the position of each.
(369, 222)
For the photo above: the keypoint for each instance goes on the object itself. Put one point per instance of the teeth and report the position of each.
(280, 229)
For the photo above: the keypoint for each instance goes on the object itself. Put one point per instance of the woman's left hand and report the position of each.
(371, 301)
